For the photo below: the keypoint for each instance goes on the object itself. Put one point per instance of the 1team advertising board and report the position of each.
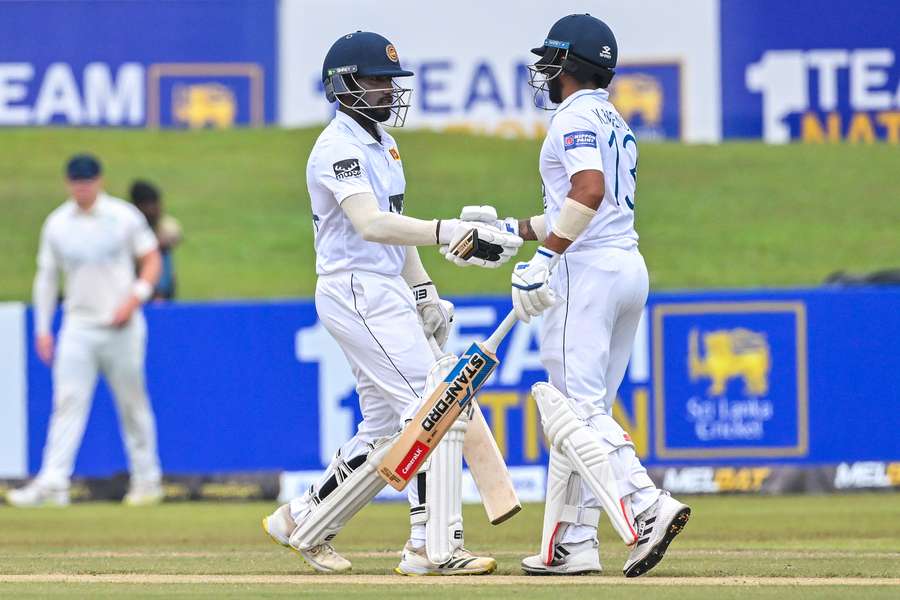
(191, 64)
(788, 74)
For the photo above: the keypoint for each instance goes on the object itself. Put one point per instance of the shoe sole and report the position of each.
(659, 550)
(549, 573)
(487, 571)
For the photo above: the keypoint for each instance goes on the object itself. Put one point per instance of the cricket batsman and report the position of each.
(375, 298)
(589, 280)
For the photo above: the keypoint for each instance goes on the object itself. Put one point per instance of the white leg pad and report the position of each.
(351, 494)
(560, 507)
(443, 496)
(586, 454)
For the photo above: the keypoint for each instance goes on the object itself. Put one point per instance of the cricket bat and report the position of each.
(486, 464)
(440, 410)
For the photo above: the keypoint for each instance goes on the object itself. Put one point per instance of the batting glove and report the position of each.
(435, 314)
(492, 247)
(531, 294)
(488, 214)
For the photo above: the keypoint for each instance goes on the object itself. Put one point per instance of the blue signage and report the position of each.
(786, 377)
(789, 74)
(188, 64)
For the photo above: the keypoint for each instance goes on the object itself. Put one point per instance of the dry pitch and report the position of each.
(734, 547)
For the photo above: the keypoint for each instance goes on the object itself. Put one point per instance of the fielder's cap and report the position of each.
(83, 166)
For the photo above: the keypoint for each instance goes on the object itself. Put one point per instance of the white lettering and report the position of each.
(58, 96)
(827, 62)
(867, 71)
(114, 103)
(13, 77)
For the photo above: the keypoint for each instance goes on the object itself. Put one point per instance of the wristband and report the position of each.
(142, 290)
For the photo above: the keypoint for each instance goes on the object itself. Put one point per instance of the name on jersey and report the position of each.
(346, 168)
(579, 139)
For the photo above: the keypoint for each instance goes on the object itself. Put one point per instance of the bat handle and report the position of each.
(492, 343)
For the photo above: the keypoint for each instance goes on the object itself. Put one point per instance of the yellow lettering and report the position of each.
(760, 474)
(532, 432)
(811, 130)
(638, 427)
(499, 403)
(861, 129)
(891, 122)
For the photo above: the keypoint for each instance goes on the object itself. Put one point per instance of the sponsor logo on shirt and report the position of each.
(347, 168)
(580, 139)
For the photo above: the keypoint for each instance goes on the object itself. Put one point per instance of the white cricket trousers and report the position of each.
(374, 320)
(586, 342)
(82, 352)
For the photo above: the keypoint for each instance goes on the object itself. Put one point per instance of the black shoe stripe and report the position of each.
(650, 520)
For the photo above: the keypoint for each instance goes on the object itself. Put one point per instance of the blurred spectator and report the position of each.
(148, 199)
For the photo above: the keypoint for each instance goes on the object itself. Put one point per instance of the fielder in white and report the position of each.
(94, 240)
(375, 298)
(591, 280)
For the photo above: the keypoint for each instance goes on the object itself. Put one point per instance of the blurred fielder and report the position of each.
(375, 298)
(93, 239)
(591, 280)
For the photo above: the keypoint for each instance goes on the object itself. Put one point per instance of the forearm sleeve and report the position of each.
(414, 272)
(44, 293)
(376, 225)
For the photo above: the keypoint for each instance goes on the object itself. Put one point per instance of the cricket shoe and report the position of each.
(36, 494)
(279, 526)
(414, 561)
(144, 494)
(656, 528)
(581, 558)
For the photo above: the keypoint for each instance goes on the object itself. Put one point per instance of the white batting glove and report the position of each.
(493, 248)
(435, 314)
(531, 294)
(488, 214)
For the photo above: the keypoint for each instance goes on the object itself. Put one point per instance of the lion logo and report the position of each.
(730, 354)
(204, 105)
(638, 95)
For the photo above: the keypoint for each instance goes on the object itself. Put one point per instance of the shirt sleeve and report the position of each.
(143, 240)
(341, 169)
(46, 284)
(578, 139)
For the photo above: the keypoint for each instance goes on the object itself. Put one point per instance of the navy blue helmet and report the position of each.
(581, 45)
(360, 55)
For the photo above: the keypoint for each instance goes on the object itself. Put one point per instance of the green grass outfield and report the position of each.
(836, 546)
(736, 215)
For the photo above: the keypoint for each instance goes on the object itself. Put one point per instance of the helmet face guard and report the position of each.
(546, 69)
(343, 86)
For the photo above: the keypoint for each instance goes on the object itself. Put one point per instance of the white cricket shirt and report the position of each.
(95, 250)
(347, 160)
(587, 132)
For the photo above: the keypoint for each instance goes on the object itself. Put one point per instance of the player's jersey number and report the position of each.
(613, 143)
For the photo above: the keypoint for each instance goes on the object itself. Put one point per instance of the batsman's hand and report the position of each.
(480, 244)
(44, 347)
(531, 293)
(488, 214)
(435, 313)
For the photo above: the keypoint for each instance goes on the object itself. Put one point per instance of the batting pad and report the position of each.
(586, 455)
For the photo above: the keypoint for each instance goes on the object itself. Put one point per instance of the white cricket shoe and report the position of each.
(414, 561)
(36, 494)
(323, 558)
(568, 559)
(144, 494)
(279, 525)
(656, 528)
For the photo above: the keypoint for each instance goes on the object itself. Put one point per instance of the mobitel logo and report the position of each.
(857, 94)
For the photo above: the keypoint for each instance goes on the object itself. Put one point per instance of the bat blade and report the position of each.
(437, 414)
